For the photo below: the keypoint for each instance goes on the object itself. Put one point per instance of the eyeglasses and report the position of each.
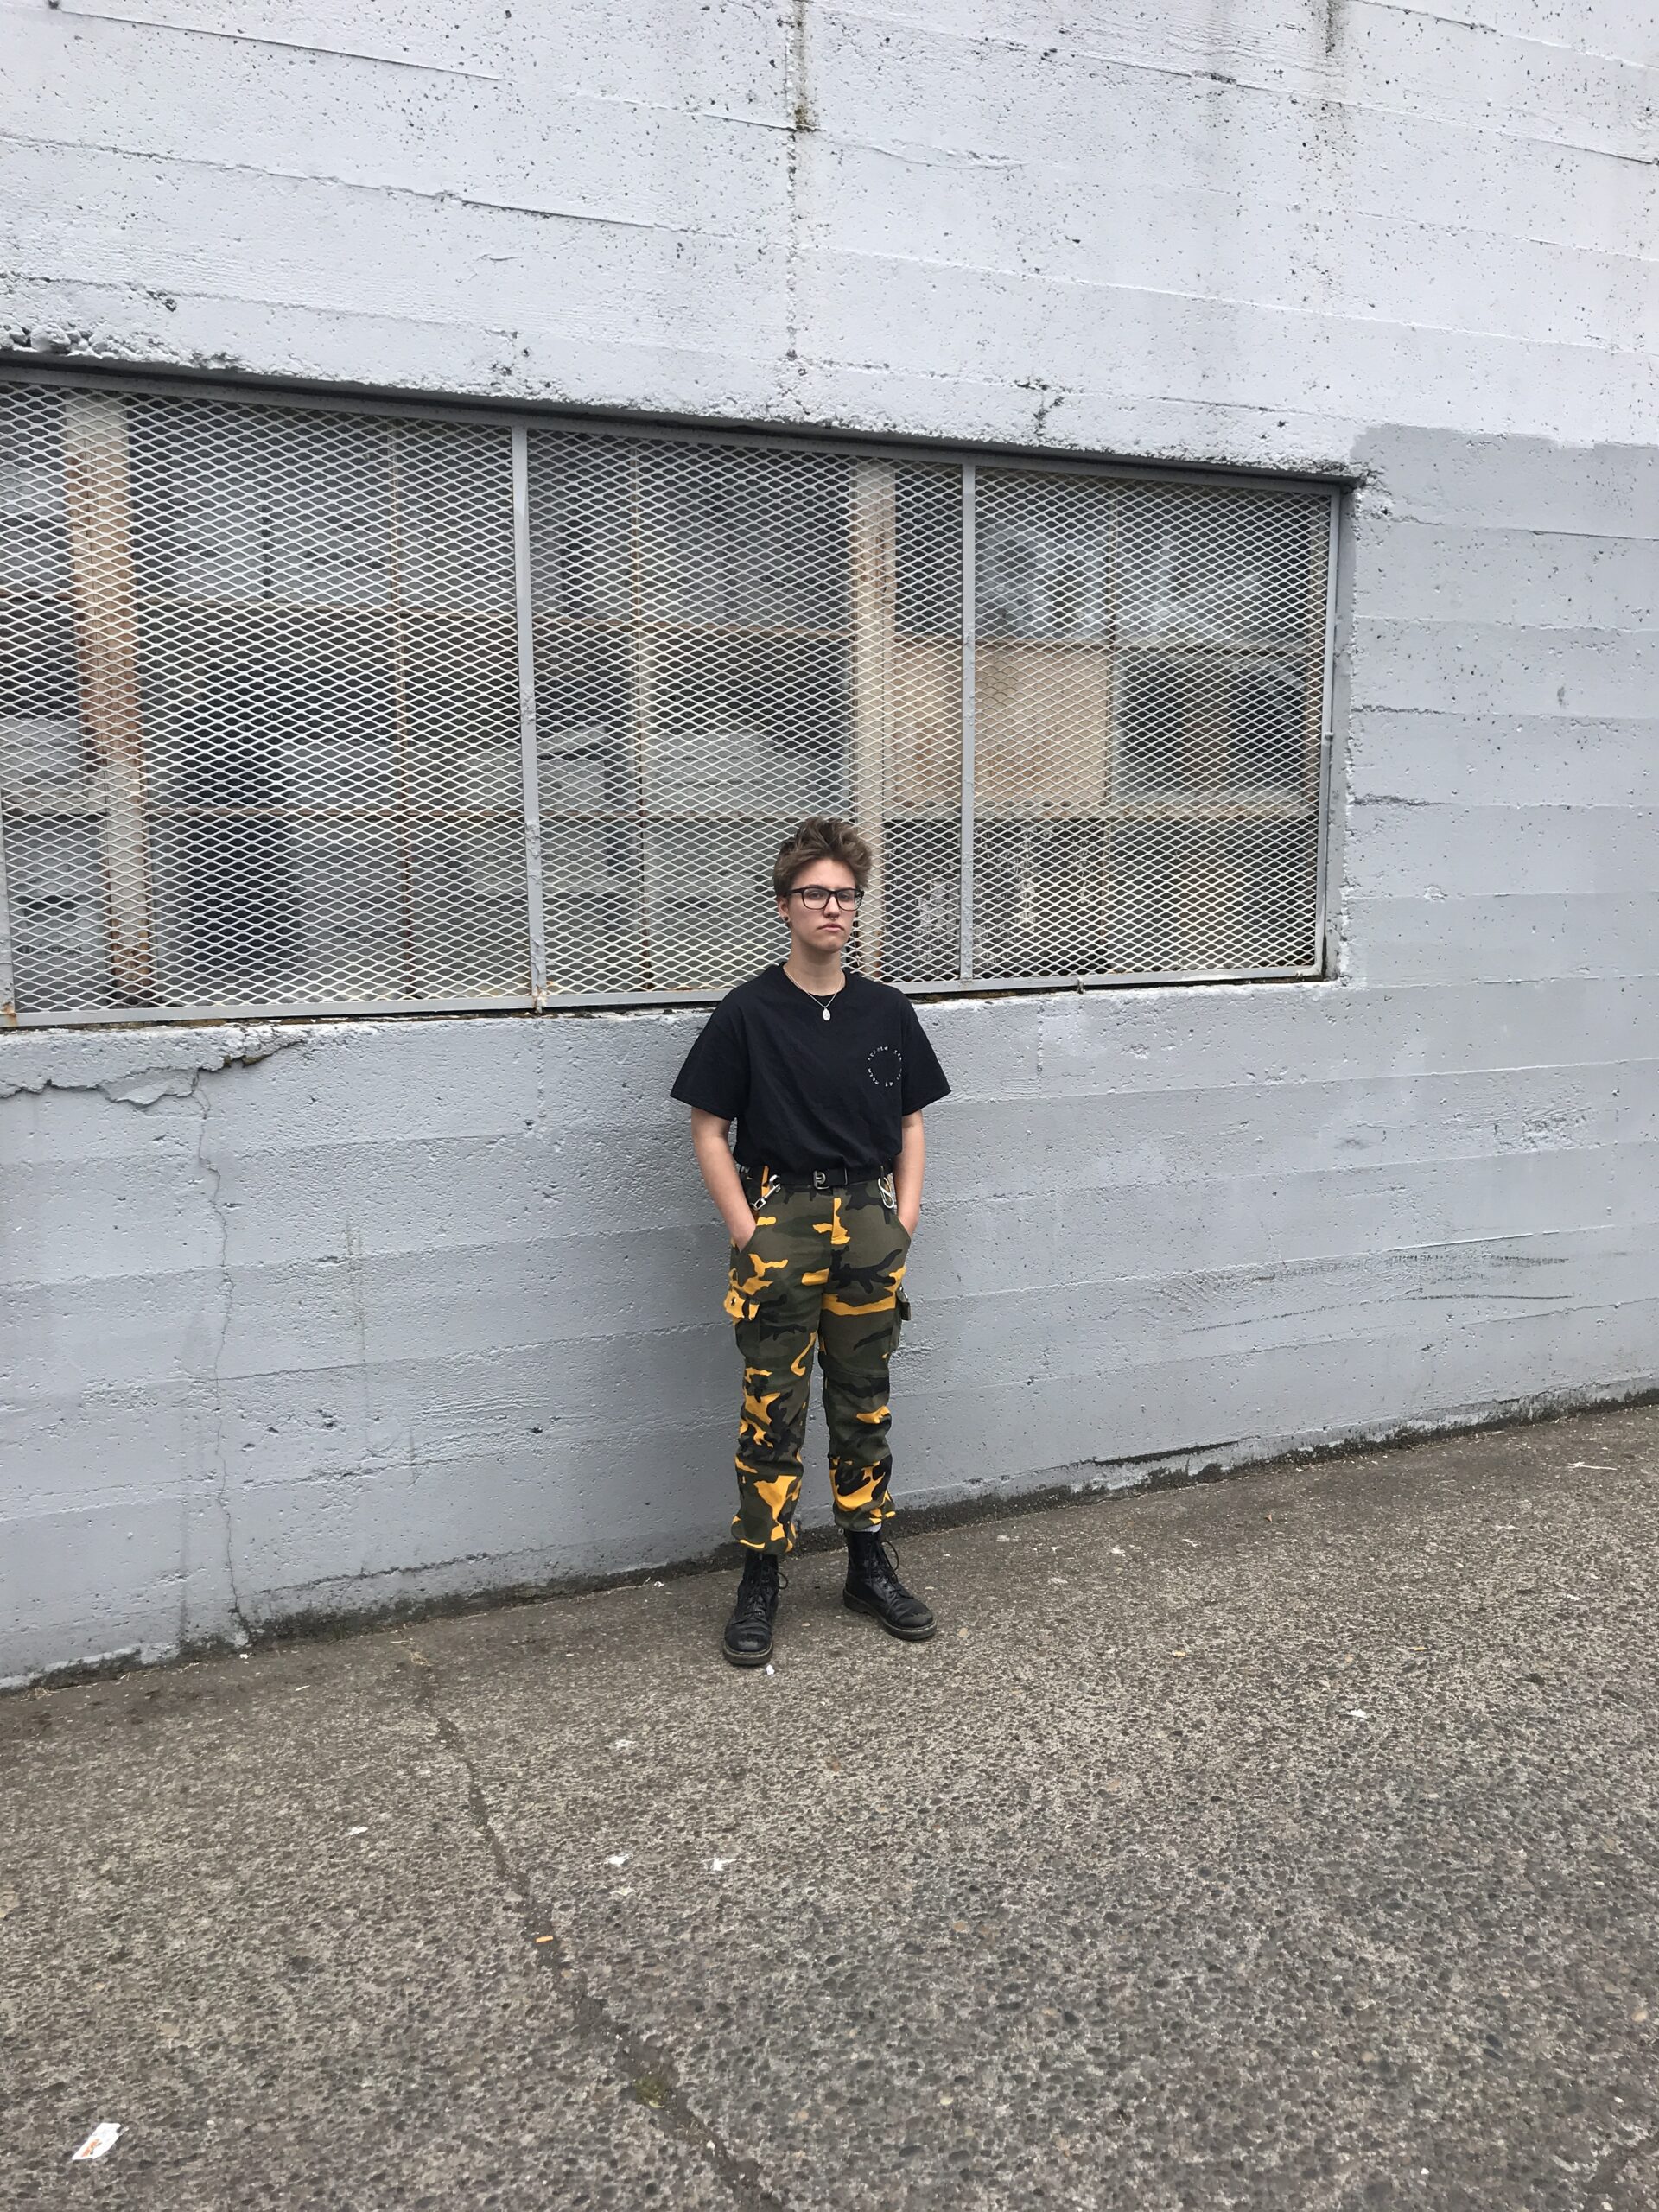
(820, 894)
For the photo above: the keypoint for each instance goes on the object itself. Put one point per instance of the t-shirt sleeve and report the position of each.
(925, 1079)
(714, 1075)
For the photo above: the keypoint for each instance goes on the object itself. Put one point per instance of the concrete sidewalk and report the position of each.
(1289, 1843)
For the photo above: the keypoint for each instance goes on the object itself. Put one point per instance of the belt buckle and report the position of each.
(818, 1179)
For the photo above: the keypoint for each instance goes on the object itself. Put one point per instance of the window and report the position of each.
(316, 707)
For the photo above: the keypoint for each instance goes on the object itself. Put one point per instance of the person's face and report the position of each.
(815, 927)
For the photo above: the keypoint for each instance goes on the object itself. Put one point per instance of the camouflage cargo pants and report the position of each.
(824, 1270)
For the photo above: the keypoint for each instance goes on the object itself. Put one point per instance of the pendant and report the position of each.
(826, 1013)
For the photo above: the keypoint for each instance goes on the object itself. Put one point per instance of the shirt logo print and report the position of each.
(886, 1064)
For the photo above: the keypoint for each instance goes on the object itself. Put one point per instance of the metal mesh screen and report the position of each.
(1149, 690)
(259, 742)
(729, 637)
(319, 708)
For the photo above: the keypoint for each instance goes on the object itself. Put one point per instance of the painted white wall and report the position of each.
(1239, 229)
(304, 1320)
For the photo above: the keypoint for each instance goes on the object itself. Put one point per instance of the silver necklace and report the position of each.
(823, 1004)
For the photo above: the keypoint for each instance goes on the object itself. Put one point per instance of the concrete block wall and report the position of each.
(303, 1319)
(1239, 229)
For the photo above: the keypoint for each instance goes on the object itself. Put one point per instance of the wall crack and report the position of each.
(799, 120)
(132, 1070)
(208, 1168)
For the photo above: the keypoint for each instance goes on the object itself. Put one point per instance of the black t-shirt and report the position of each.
(806, 1092)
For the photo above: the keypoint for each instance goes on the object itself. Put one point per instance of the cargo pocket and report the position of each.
(745, 1282)
(741, 1287)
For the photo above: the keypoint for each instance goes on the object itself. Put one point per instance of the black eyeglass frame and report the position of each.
(853, 898)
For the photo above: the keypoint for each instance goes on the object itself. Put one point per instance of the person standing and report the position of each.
(825, 1073)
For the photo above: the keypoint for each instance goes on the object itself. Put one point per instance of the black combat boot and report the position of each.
(749, 1633)
(873, 1588)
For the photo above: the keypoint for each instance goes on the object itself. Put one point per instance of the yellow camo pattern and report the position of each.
(786, 1302)
(742, 1299)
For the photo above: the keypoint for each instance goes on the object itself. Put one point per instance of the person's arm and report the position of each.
(709, 1141)
(907, 1173)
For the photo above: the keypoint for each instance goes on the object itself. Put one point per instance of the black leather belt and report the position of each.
(820, 1178)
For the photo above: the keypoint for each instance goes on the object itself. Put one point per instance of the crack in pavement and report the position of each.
(1612, 2171)
(640, 2059)
(208, 1169)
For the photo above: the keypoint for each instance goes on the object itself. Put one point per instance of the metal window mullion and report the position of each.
(1322, 951)
(312, 1010)
(530, 768)
(969, 624)
(642, 730)
(8, 986)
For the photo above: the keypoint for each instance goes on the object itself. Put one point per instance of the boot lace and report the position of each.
(757, 1593)
(880, 1564)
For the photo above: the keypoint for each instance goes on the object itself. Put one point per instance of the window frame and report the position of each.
(519, 421)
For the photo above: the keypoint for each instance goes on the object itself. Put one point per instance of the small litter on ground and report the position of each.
(101, 2140)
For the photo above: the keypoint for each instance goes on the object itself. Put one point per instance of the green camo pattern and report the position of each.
(824, 1270)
